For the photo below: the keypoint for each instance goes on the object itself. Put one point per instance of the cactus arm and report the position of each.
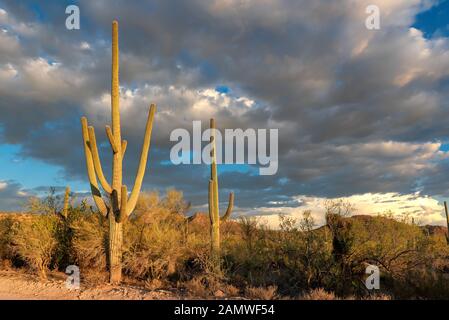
(97, 163)
(91, 170)
(111, 139)
(123, 205)
(230, 207)
(124, 145)
(143, 161)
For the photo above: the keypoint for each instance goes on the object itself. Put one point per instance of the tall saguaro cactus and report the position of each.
(120, 205)
(214, 213)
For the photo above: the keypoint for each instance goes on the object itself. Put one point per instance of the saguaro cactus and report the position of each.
(447, 221)
(120, 206)
(65, 208)
(214, 213)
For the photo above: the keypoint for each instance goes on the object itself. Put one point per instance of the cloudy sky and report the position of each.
(362, 114)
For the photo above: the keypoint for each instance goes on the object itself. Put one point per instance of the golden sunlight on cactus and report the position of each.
(120, 205)
(214, 213)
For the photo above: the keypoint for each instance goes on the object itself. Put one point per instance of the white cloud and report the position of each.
(7, 72)
(424, 209)
(194, 104)
(84, 46)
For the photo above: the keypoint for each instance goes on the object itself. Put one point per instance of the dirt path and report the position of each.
(23, 286)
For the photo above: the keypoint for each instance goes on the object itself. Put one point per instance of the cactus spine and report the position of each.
(214, 213)
(120, 206)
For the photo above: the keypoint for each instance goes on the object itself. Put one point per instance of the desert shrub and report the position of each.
(35, 241)
(7, 254)
(163, 247)
(421, 283)
(204, 286)
(230, 290)
(174, 202)
(153, 237)
(293, 257)
(196, 287)
(261, 293)
(306, 252)
(395, 247)
(377, 296)
(89, 243)
(52, 205)
(153, 284)
(318, 294)
(249, 226)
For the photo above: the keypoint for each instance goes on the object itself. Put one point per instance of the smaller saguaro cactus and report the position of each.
(447, 221)
(64, 212)
(65, 208)
(214, 213)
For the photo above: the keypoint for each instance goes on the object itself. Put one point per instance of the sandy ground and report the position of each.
(23, 286)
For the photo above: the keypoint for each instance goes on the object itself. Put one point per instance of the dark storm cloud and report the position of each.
(357, 110)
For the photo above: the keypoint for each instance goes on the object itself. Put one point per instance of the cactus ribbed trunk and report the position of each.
(120, 207)
(214, 212)
(115, 249)
(115, 115)
(215, 221)
(115, 228)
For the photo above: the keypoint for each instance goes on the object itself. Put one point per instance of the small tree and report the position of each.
(249, 230)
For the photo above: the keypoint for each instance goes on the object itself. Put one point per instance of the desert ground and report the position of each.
(16, 285)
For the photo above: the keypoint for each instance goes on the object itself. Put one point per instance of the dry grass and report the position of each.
(318, 294)
(261, 293)
(231, 291)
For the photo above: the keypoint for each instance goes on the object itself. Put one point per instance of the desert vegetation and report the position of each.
(163, 247)
(154, 241)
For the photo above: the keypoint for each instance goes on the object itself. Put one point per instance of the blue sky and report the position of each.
(435, 20)
(359, 112)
